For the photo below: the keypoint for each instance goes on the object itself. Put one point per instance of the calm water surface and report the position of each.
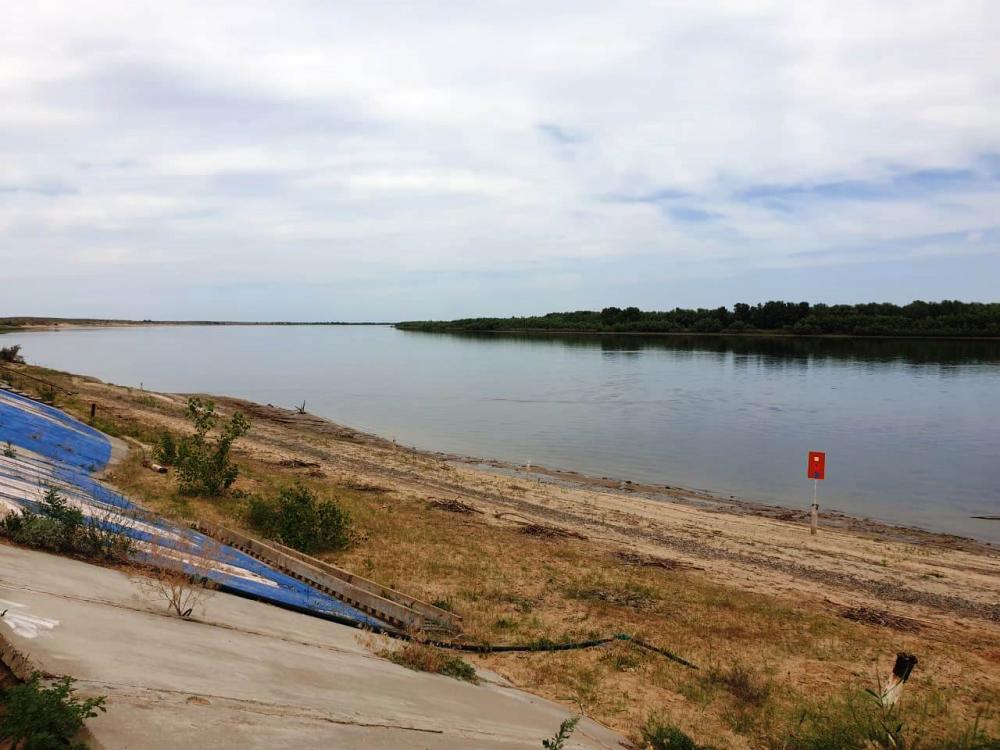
(911, 428)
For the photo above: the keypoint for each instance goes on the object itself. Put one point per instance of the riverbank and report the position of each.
(742, 590)
(947, 318)
(684, 334)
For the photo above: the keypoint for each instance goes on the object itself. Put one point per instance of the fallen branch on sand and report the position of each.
(295, 463)
(530, 528)
(630, 557)
(872, 616)
(549, 532)
(453, 506)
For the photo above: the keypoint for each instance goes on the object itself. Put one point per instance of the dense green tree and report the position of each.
(948, 318)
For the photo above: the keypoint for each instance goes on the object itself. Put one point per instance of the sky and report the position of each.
(386, 161)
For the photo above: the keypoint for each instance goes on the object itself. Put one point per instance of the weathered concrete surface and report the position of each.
(246, 674)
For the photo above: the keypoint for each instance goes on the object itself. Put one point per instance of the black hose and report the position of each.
(474, 648)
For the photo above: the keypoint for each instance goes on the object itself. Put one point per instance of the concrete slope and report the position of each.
(244, 674)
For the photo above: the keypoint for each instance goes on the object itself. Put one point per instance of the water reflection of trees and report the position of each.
(776, 351)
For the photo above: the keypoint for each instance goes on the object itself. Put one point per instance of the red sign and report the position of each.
(816, 468)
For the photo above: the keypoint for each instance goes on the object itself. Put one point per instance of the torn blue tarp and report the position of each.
(56, 450)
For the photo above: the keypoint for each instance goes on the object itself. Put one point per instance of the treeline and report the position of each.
(946, 318)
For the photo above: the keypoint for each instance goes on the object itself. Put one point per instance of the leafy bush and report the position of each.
(47, 392)
(297, 519)
(55, 506)
(203, 465)
(59, 527)
(11, 354)
(33, 530)
(45, 718)
(9, 450)
(99, 539)
(165, 450)
(660, 735)
(422, 657)
(744, 683)
(558, 742)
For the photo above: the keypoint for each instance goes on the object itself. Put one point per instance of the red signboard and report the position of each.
(816, 469)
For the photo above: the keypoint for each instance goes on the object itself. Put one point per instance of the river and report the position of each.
(911, 428)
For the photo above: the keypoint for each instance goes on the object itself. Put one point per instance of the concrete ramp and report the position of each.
(244, 674)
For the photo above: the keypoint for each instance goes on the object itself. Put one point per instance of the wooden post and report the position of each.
(93, 411)
(815, 508)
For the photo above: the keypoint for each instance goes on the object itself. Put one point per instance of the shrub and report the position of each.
(59, 527)
(422, 657)
(660, 735)
(47, 392)
(203, 465)
(9, 450)
(165, 450)
(45, 718)
(104, 539)
(744, 683)
(11, 354)
(55, 506)
(181, 592)
(33, 530)
(182, 577)
(565, 730)
(297, 519)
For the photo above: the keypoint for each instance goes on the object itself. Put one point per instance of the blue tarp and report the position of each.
(70, 450)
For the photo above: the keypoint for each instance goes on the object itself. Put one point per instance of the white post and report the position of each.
(815, 508)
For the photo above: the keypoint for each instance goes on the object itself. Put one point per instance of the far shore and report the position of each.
(689, 334)
(48, 324)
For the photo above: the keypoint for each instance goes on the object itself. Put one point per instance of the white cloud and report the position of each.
(261, 139)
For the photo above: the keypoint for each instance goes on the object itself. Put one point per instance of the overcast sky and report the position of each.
(367, 160)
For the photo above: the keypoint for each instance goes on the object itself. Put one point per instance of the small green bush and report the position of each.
(422, 657)
(33, 530)
(165, 450)
(298, 519)
(47, 392)
(59, 527)
(55, 506)
(204, 466)
(98, 539)
(9, 450)
(36, 717)
(744, 683)
(661, 735)
(11, 354)
(558, 742)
